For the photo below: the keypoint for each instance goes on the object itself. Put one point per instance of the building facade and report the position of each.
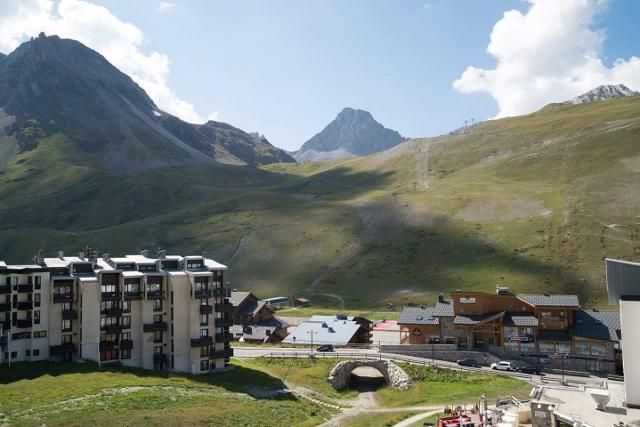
(545, 330)
(254, 320)
(164, 313)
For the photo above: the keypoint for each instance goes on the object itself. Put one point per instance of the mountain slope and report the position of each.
(51, 85)
(351, 133)
(532, 202)
(602, 93)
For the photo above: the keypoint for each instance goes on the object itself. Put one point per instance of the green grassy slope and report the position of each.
(532, 202)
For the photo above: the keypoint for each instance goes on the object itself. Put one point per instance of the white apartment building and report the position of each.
(165, 313)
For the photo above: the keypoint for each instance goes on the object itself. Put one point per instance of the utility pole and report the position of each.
(311, 332)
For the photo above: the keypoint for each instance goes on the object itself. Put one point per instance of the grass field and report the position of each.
(80, 394)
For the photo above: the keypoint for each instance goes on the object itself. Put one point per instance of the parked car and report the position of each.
(468, 362)
(325, 348)
(502, 366)
(529, 370)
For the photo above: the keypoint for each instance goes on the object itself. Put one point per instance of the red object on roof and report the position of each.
(455, 421)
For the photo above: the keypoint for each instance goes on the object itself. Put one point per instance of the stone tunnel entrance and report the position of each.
(340, 376)
(365, 378)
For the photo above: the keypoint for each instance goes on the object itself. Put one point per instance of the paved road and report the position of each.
(252, 352)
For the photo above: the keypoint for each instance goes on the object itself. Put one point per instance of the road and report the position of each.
(353, 353)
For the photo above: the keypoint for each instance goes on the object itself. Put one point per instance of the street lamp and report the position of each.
(311, 332)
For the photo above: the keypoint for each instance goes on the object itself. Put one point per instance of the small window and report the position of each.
(36, 317)
(36, 353)
(14, 354)
(157, 305)
(204, 332)
(40, 334)
(66, 325)
(36, 300)
(157, 336)
(28, 353)
(204, 365)
(126, 354)
(38, 283)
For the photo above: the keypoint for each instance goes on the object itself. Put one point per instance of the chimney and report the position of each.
(105, 256)
(91, 254)
(204, 254)
(162, 253)
(40, 258)
(61, 254)
(145, 253)
(440, 298)
(81, 254)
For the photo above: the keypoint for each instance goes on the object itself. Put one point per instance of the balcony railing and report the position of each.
(220, 292)
(6, 324)
(24, 305)
(203, 293)
(113, 328)
(69, 314)
(126, 344)
(110, 296)
(201, 342)
(224, 322)
(5, 289)
(221, 354)
(24, 323)
(155, 326)
(160, 357)
(112, 312)
(155, 295)
(107, 345)
(223, 337)
(25, 288)
(63, 297)
(128, 295)
(56, 350)
(206, 309)
(224, 307)
(5, 306)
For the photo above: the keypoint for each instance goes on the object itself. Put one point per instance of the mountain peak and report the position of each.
(352, 133)
(603, 92)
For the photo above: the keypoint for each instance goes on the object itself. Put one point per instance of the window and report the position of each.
(126, 336)
(66, 306)
(40, 334)
(132, 287)
(126, 354)
(582, 347)
(109, 355)
(109, 288)
(157, 318)
(563, 348)
(38, 284)
(14, 354)
(204, 365)
(157, 349)
(126, 321)
(66, 325)
(36, 300)
(598, 349)
(28, 353)
(67, 339)
(204, 351)
(204, 319)
(36, 353)
(204, 332)
(157, 305)
(157, 336)
(36, 317)
(546, 347)
(126, 306)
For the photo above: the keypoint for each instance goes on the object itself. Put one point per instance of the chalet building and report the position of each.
(547, 330)
(254, 320)
(339, 330)
(164, 313)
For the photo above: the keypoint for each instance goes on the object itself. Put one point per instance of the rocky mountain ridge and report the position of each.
(603, 92)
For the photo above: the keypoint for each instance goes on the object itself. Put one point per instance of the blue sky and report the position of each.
(286, 68)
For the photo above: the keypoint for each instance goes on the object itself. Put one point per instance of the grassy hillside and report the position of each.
(533, 202)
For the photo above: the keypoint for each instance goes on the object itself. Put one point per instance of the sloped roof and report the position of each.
(236, 297)
(338, 332)
(418, 316)
(541, 300)
(522, 318)
(474, 319)
(444, 308)
(599, 325)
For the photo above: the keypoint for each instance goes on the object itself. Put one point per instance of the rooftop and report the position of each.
(418, 316)
(549, 300)
(599, 325)
(326, 330)
(474, 319)
(523, 318)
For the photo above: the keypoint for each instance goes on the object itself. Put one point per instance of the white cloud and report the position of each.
(95, 26)
(165, 6)
(551, 53)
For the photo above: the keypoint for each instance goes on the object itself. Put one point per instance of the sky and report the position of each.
(286, 68)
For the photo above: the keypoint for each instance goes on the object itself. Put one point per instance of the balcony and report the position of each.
(5, 289)
(25, 288)
(224, 322)
(155, 295)
(155, 326)
(69, 314)
(203, 293)
(5, 307)
(112, 312)
(113, 328)
(129, 295)
(223, 337)
(224, 307)
(63, 297)
(201, 342)
(221, 354)
(159, 358)
(24, 323)
(6, 324)
(24, 305)
(126, 344)
(56, 350)
(110, 296)
(220, 292)
(107, 345)
(206, 309)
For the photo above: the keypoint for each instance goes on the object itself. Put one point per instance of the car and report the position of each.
(502, 366)
(468, 362)
(325, 348)
(528, 370)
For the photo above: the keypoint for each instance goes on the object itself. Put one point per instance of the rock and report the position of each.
(393, 374)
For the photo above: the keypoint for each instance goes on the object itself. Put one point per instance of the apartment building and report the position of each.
(165, 313)
(543, 329)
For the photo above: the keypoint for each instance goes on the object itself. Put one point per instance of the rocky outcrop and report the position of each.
(393, 375)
